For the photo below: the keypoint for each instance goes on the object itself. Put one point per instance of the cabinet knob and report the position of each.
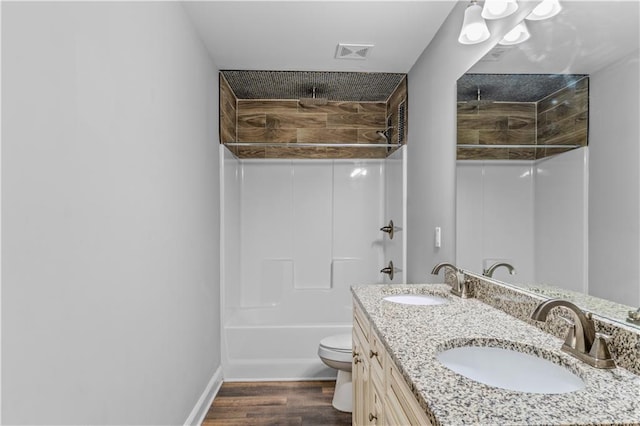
(357, 360)
(372, 417)
(354, 354)
(372, 353)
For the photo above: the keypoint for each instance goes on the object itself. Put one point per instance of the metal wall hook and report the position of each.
(388, 270)
(389, 229)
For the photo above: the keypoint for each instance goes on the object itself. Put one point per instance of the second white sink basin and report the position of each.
(416, 299)
(509, 369)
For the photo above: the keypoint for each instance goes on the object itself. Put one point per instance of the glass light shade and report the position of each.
(496, 9)
(474, 29)
(517, 35)
(545, 10)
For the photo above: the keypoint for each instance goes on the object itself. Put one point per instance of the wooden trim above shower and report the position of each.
(286, 121)
(558, 119)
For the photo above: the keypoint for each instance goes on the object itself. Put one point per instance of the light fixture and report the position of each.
(474, 29)
(496, 9)
(517, 35)
(545, 10)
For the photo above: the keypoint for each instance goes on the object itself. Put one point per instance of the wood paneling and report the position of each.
(264, 106)
(379, 107)
(399, 96)
(560, 119)
(364, 120)
(257, 134)
(331, 107)
(296, 121)
(275, 403)
(327, 135)
(227, 122)
(563, 117)
(498, 123)
(286, 121)
(335, 122)
(251, 119)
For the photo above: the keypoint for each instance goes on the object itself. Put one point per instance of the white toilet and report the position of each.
(335, 351)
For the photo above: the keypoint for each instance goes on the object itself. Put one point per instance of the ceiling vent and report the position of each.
(495, 54)
(353, 51)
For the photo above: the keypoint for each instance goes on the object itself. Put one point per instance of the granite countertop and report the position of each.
(413, 335)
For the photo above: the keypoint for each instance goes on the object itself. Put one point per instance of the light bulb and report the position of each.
(497, 7)
(474, 29)
(474, 32)
(513, 35)
(517, 35)
(546, 9)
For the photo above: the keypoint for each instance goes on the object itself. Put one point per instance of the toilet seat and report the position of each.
(337, 342)
(336, 348)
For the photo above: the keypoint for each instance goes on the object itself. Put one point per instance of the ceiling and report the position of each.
(304, 35)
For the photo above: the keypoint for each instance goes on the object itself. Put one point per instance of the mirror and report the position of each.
(567, 218)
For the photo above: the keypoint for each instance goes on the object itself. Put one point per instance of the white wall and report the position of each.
(614, 182)
(110, 214)
(431, 199)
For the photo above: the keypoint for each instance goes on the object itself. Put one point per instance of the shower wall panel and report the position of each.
(307, 231)
(395, 198)
(312, 221)
(495, 209)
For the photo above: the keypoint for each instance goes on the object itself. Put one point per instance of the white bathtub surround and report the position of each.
(296, 235)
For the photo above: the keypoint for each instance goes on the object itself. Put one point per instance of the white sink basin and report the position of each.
(416, 299)
(508, 369)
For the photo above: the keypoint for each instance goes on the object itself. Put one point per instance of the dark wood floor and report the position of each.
(276, 403)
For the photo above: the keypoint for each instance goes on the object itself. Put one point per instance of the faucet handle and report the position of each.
(600, 351)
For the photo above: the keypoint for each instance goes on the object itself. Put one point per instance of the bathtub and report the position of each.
(262, 344)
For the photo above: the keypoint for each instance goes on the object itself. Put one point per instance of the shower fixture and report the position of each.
(389, 229)
(389, 270)
(386, 134)
(314, 100)
(478, 101)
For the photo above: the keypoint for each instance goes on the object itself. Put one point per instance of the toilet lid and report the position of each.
(337, 342)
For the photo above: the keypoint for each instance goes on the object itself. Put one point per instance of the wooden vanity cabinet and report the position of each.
(380, 394)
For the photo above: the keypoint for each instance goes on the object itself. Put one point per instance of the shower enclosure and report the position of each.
(296, 234)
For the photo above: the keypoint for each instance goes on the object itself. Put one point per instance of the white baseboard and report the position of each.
(202, 406)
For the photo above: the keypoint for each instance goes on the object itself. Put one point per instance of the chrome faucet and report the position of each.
(459, 287)
(582, 341)
(489, 271)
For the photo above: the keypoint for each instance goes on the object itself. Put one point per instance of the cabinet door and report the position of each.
(360, 380)
(375, 414)
(401, 400)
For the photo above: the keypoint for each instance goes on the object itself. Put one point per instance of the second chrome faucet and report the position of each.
(459, 287)
(582, 340)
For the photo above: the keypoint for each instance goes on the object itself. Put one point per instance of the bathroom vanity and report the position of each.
(399, 377)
